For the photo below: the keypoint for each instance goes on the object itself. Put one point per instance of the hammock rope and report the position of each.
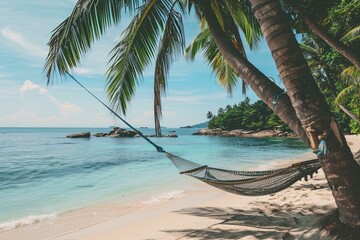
(250, 183)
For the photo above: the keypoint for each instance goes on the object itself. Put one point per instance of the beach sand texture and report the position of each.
(201, 213)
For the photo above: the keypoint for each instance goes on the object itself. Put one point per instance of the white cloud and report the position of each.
(19, 39)
(42, 96)
(26, 118)
(66, 108)
(30, 86)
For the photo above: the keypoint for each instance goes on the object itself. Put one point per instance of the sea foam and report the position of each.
(162, 198)
(11, 225)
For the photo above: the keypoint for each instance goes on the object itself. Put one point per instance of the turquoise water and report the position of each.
(42, 172)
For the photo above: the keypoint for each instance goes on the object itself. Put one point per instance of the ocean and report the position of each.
(44, 174)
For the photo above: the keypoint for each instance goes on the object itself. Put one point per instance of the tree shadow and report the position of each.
(275, 222)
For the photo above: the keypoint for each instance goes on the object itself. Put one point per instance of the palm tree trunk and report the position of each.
(263, 87)
(330, 79)
(319, 30)
(350, 114)
(340, 168)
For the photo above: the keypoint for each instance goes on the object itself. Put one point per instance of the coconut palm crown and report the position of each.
(154, 36)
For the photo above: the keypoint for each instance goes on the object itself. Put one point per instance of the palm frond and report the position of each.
(75, 35)
(197, 44)
(217, 9)
(351, 75)
(343, 96)
(308, 49)
(133, 53)
(171, 48)
(352, 35)
(204, 43)
(226, 76)
(242, 14)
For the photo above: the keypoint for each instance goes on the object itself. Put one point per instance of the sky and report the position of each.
(26, 100)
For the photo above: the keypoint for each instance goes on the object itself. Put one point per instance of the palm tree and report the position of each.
(263, 87)
(351, 76)
(320, 69)
(320, 31)
(155, 34)
(340, 168)
(323, 74)
(209, 115)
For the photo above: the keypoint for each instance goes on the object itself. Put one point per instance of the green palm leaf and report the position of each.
(240, 11)
(352, 35)
(351, 75)
(171, 47)
(197, 44)
(133, 53)
(75, 35)
(343, 96)
(225, 74)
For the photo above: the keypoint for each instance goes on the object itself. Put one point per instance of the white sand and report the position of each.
(202, 213)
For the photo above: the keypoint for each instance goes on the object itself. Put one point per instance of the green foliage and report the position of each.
(354, 125)
(337, 79)
(256, 116)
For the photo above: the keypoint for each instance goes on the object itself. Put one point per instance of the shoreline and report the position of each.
(190, 212)
(243, 133)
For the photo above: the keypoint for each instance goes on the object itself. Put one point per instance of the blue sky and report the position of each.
(26, 101)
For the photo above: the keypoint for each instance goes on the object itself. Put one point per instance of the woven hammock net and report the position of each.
(250, 183)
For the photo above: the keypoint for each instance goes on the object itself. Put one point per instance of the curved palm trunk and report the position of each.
(350, 114)
(264, 88)
(340, 168)
(331, 82)
(319, 30)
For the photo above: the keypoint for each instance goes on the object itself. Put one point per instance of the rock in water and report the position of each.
(79, 135)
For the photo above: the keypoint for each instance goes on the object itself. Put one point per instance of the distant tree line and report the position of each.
(256, 116)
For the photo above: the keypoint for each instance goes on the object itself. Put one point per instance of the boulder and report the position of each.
(119, 132)
(79, 135)
(100, 134)
(172, 136)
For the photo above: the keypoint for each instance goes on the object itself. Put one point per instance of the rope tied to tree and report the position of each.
(276, 98)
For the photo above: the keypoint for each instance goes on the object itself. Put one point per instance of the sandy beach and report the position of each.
(199, 212)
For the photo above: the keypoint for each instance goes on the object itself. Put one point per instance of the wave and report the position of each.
(29, 220)
(164, 198)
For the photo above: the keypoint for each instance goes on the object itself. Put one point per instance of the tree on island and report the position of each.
(256, 116)
(303, 108)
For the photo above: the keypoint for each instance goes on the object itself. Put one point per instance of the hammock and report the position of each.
(250, 183)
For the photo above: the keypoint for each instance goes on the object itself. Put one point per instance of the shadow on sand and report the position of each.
(285, 223)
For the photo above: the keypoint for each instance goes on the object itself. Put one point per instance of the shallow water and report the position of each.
(43, 173)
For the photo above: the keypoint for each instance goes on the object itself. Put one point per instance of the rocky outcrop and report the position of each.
(120, 132)
(169, 135)
(79, 135)
(243, 133)
(100, 134)
(117, 132)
